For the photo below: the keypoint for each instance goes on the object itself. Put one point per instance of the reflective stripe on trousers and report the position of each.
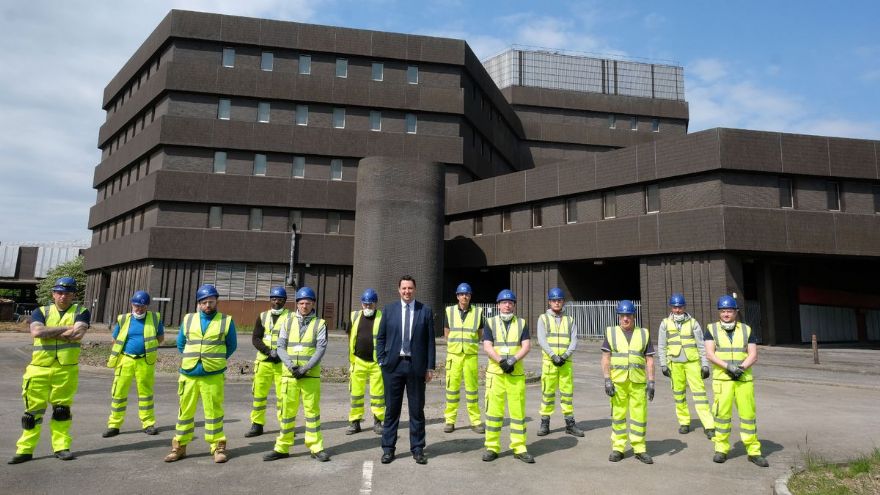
(728, 392)
(39, 384)
(688, 375)
(292, 390)
(266, 375)
(629, 401)
(361, 372)
(512, 390)
(553, 377)
(211, 391)
(143, 374)
(460, 366)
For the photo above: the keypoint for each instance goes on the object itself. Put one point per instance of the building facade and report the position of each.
(396, 153)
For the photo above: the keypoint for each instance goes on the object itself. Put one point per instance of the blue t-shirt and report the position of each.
(84, 317)
(231, 345)
(134, 342)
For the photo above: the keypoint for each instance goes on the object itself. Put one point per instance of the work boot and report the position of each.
(255, 431)
(489, 456)
(448, 428)
(544, 429)
(758, 460)
(151, 430)
(66, 455)
(719, 457)
(275, 455)
(710, 433)
(616, 456)
(525, 457)
(377, 426)
(321, 456)
(572, 429)
(645, 457)
(479, 429)
(110, 432)
(19, 458)
(684, 429)
(220, 455)
(177, 453)
(353, 427)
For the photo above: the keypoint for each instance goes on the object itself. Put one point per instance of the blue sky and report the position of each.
(791, 66)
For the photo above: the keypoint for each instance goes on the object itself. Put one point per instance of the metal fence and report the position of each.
(591, 317)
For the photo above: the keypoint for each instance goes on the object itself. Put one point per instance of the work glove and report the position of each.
(503, 365)
(557, 360)
(273, 356)
(739, 372)
(734, 371)
(665, 371)
(609, 387)
(704, 372)
(649, 391)
(293, 369)
(510, 362)
(299, 372)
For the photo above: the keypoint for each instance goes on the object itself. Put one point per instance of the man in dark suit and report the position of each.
(405, 351)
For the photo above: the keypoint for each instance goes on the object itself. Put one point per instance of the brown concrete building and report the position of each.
(223, 131)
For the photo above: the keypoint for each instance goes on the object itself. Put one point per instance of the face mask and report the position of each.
(728, 326)
(506, 316)
(369, 312)
(276, 312)
(138, 317)
(680, 318)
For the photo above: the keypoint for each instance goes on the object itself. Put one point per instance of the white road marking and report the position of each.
(367, 483)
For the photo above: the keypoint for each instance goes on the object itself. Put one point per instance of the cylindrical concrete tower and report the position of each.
(399, 230)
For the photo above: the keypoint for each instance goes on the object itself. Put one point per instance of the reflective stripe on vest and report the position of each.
(733, 349)
(355, 323)
(627, 357)
(151, 341)
(47, 350)
(271, 331)
(558, 335)
(507, 342)
(208, 347)
(464, 335)
(302, 343)
(681, 338)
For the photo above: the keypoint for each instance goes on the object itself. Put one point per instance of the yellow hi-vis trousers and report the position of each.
(629, 399)
(687, 375)
(512, 390)
(144, 375)
(292, 389)
(210, 389)
(41, 387)
(458, 365)
(266, 374)
(553, 377)
(743, 393)
(360, 372)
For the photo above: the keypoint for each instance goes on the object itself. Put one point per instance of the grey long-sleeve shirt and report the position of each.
(542, 336)
(681, 358)
(320, 344)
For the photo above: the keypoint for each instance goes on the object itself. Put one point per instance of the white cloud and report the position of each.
(707, 69)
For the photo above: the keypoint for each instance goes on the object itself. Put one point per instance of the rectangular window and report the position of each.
(655, 125)
(833, 189)
(609, 204)
(302, 115)
(378, 71)
(786, 193)
(305, 64)
(375, 120)
(224, 108)
(267, 61)
(215, 217)
(336, 169)
(341, 67)
(652, 198)
(571, 211)
(255, 221)
(263, 109)
(299, 167)
(412, 74)
(505, 221)
(412, 123)
(219, 162)
(478, 225)
(332, 222)
(612, 121)
(259, 164)
(876, 199)
(229, 57)
(295, 220)
(633, 123)
(537, 217)
(339, 118)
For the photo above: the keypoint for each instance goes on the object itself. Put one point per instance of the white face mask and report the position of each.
(369, 312)
(276, 312)
(680, 318)
(506, 316)
(728, 326)
(139, 317)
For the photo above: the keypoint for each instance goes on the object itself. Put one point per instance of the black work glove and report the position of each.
(503, 365)
(739, 372)
(557, 360)
(609, 387)
(665, 371)
(273, 356)
(704, 372)
(299, 372)
(733, 371)
(293, 369)
(511, 361)
(649, 391)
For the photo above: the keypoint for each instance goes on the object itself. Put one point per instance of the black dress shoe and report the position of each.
(387, 457)
(65, 455)
(489, 456)
(321, 456)
(110, 432)
(19, 458)
(525, 457)
(420, 458)
(255, 431)
(275, 455)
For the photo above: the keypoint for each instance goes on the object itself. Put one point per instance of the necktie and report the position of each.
(406, 332)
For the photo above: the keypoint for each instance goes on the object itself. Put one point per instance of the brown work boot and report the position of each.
(220, 455)
(177, 453)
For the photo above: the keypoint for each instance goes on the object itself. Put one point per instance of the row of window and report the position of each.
(633, 123)
(267, 63)
(123, 226)
(123, 179)
(135, 84)
(832, 195)
(255, 220)
(301, 116)
(297, 167)
(137, 124)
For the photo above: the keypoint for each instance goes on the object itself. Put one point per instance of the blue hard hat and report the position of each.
(305, 293)
(140, 298)
(206, 290)
(676, 300)
(505, 295)
(278, 291)
(64, 284)
(369, 297)
(727, 302)
(555, 293)
(626, 307)
(463, 288)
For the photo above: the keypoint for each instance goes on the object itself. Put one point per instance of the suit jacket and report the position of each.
(389, 340)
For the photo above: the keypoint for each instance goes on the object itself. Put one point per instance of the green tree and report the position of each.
(72, 268)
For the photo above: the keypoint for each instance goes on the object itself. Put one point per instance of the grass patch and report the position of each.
(859, 476)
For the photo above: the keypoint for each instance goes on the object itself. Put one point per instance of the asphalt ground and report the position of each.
(829, 410)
